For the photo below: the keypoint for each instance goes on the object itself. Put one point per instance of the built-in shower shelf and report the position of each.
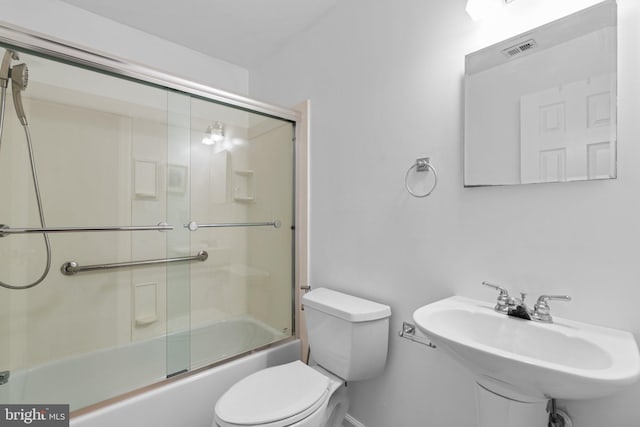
(244, 199)
(145, 321)
(244, 187)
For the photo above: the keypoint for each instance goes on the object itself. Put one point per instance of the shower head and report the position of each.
(20, 76)
(19, 81)
(5, 66)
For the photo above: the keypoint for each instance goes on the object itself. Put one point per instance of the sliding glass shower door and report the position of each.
(170, 218)
(241, 168)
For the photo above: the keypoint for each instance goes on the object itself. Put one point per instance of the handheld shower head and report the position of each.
(20, 76)
(19, 81)
(5, 66)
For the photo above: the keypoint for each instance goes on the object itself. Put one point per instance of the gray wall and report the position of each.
(385, 82)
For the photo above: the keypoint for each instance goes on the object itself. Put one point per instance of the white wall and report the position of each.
(385, 81)
(79, 27)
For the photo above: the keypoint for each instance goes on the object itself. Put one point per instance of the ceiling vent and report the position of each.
(519, 48)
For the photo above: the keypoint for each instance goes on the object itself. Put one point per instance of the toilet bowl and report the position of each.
(348, 336)
(290, 395)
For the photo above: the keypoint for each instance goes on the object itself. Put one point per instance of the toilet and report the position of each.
(348, 337)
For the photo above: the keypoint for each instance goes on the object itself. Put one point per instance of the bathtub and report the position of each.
(188, 401)
(118, 370)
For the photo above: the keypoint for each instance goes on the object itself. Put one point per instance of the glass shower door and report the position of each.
(241, 178)
(117, 153)
(178, 193)
(99, 143)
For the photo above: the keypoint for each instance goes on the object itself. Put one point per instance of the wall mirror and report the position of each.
(541, 106)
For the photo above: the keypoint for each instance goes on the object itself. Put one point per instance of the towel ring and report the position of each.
(422, 165)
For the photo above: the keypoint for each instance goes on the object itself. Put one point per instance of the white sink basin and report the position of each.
(531, 361)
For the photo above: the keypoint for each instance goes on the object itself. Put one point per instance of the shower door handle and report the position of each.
(193, 226)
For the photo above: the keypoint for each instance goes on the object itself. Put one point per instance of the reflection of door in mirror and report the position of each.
(541, 106)
(566, 133)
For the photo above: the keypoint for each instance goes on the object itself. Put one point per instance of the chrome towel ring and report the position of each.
(422, 164)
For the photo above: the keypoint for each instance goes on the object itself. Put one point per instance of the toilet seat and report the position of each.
(274, 397)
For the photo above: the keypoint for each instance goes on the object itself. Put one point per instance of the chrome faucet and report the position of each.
(517, 307)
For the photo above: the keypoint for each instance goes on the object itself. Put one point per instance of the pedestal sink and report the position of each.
(531, 361)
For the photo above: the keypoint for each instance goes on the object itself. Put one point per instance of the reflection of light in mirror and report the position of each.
(214, 134)
(519, 16)
(228, 144)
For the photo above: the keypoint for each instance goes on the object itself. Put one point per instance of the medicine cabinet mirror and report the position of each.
(541, 106)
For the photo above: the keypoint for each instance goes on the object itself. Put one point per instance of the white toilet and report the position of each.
(348, 337)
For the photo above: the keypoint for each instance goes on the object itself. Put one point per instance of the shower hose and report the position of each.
(36, 188)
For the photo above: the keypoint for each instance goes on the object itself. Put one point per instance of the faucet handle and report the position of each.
(541, 310)
(502, 306)
(544, 298)
(496, 287)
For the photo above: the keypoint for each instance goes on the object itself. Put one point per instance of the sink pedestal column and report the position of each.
(493, 410)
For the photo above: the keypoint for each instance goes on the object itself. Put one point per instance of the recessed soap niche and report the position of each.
(145, 306)
(145, 177)
(244, 188)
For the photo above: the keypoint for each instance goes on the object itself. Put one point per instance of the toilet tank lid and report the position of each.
(347, 307)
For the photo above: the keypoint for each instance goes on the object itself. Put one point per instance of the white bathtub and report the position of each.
(89, 378)
(187, 402)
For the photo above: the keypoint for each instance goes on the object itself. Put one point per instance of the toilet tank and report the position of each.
(348, 335)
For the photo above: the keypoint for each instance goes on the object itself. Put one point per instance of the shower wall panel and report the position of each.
(83, 167)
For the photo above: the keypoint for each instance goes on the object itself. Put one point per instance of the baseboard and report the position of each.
(349, 421)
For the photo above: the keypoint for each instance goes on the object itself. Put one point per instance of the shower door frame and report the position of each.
(82, 56)
(299, 115)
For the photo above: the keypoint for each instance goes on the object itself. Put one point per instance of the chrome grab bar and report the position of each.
(5, 230)
(71, 267)
(193, 226)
